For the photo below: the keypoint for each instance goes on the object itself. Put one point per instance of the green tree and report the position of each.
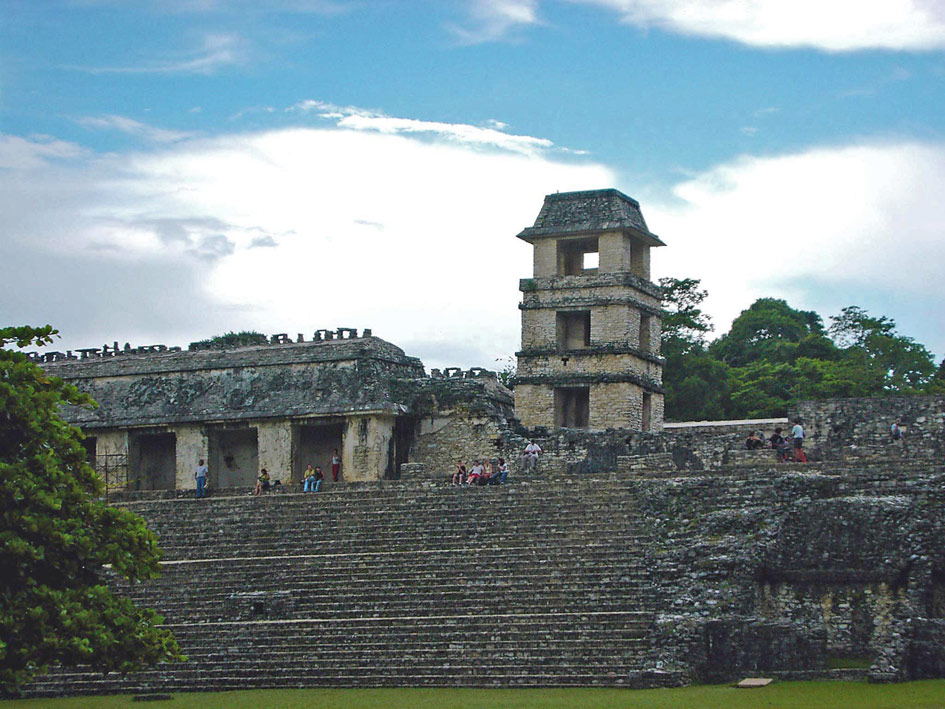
(684, 325)
(56, 538)
(769, 330)
(697, 386)
(244, 338)
(901, 364)
(506, 372)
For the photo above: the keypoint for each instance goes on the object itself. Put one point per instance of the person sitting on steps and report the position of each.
(459, 477)
(475, 473)
(308, 479)
(262, 483)
(780, 445)
(754, 442)
(530, 456)
(501, 473)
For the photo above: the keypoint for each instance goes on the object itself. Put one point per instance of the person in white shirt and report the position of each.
(474, 474)
(798, 434)
(200, 475)
(530, 456)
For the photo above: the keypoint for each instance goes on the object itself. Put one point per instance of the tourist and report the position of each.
(262, 483)
(754, 442)
(530, 456)
(459, 477)
(200, 475)
(797, 432)
(475, 473)
(308, 476)
(319, 476)
(335, 465)
(487, 470)
(896, 431)
(780, 445)
(502, 472)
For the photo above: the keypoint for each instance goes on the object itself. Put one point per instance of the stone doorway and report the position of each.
(233, 458)
(315, 443)
(152, 461)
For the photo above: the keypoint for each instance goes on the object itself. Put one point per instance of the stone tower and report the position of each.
(590, 317)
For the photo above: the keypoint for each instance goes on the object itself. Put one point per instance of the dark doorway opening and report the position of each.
(315, 444)
(404, 428)
(89, 443)
(572, 407)
(153, 464)
(233, 457)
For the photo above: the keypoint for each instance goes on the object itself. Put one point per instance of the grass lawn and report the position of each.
(858, 695)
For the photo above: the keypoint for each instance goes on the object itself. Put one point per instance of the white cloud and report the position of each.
(215, 52)
(414, 238)
(296, 229)
(491, 20)
(130, 126)
(35, 152)
(823, 228)
(493, 135)
(836, 25)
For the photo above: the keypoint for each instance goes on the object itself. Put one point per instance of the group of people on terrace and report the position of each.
(483, 472)
(311, 479)
(787, 448)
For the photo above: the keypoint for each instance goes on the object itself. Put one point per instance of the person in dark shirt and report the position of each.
(780, 444)
(459, 477)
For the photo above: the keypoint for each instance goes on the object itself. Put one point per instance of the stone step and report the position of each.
(628, 676)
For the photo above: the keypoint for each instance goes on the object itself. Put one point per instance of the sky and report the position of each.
(172, 170)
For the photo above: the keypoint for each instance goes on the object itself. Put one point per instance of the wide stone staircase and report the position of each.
(550, 580)
(536, 583)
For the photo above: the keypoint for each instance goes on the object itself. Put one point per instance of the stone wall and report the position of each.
(860, 427)
(458, 415)
(324, 377)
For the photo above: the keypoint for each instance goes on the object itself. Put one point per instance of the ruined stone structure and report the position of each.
(639, 555)
(590, 317)
(278, 406)
(686, 559)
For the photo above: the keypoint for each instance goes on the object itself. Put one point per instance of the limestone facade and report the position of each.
(279, 406)
(590, 317)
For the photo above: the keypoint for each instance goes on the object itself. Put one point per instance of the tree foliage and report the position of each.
(774, 356)
(56, 537)
(904, 365)
(684, 325)
(768, 330)
(244, 338)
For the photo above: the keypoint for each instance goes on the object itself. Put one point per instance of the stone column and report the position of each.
(274, 439)
(367, 446)
(192, 445)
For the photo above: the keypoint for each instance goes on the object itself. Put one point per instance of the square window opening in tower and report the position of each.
(578, 257)
(573, 330)
(644, 338)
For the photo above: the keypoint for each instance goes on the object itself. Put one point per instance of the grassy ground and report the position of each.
(795, 695)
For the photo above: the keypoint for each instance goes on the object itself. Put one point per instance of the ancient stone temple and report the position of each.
(277, 406)
(590, 317)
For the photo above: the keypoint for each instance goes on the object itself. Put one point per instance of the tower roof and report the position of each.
(587, 212)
